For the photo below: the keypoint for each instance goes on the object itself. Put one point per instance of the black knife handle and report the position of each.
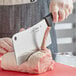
(49, 20)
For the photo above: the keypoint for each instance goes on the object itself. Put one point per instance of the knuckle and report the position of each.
(61, 5)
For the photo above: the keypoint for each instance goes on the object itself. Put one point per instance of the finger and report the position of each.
(22, 29)
(61, 15)
(55, 16)
(54, 9)
(5, 46)
(69, 8)
(43, 46)
(2, 51)
(52, 4)
(70, 11)
(61, 4)
(66, 13)
(8, 41)
(66, 6)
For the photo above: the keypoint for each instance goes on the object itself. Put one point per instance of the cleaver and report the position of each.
(28, 41)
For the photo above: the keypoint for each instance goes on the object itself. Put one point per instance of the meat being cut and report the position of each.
(39, 62)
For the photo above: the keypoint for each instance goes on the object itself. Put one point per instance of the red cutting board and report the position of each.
(59, 70)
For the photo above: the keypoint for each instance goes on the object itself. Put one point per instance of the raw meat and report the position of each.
(39, 62)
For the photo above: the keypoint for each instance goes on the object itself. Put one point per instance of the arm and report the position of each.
(74, 1)
(61, 9)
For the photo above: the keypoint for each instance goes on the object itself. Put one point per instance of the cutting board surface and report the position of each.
(59, 70)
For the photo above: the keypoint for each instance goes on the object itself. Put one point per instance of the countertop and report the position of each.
(59, 70)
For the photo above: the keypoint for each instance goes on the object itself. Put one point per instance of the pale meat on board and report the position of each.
(39, 62)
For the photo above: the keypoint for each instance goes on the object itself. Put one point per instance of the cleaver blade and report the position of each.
(26, 42)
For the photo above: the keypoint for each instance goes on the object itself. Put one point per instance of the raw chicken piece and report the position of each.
(39, 62)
